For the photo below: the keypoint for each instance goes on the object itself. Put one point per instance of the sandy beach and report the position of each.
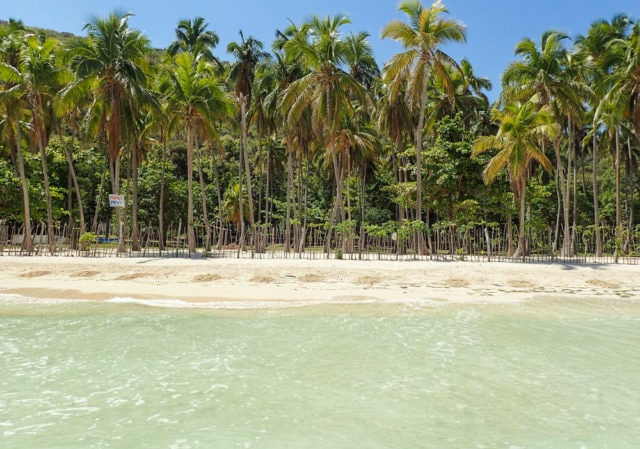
(300, 280)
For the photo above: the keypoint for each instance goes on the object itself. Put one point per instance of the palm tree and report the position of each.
(193, 37)
(422, 38)
(359, 58)
(395, 120)
(626, 80)
(623, 99)
(596, 51)
(522, 126)
(110, 61)
(360, 143)
(69, 116)
(248, 53)
(298, 134)
(327, 89)
(140, 125)
(195, 98)
(543, 70)
(13, 105)
(39, 75)
(470, 95)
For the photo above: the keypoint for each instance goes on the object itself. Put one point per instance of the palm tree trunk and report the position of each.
(305, 178)
(267, 189)
(596, 213)
(419, 132)
(70, 219)
(570, 181)
(363, 195)
(115, 185)
(564, 196)
(74, 179)
(13, 152)
(629, 195)
(203, 198)
(191, 236)
(161, 199)
(240, 201)
(521, 233)
(337, 166)
(347, 245)
(348, 186)
(51, 238)
(299, 212)
(337, 209)
(618, 232)
(219, 193)
(574, 225)
(41, 144)
(338, 173)
(395, 163)
(290, 190)
(96, 212)
(135, 235)
(252, 223)
(27, 241)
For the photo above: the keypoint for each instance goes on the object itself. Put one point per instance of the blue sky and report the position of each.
(493, 26)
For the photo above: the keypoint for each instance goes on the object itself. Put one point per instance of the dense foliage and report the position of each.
(314, 135)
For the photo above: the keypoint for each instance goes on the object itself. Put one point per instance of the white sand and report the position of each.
(308, 280)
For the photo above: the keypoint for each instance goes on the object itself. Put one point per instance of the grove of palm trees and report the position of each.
(308, 145)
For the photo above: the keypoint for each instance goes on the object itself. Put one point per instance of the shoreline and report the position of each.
(308, 281)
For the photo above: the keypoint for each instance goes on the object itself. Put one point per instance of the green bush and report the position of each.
(86, 240)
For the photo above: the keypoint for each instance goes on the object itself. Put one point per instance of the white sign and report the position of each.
(116, 200)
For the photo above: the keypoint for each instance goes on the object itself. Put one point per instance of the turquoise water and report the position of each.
(540, 374)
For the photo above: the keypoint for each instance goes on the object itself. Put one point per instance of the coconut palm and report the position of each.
(522, 126)
(626, 79)
(39, 78)
(140, 125)
(110, 61)
(194, 98)
(596, 51)
(298, 134)
(35, 79)
(427, 30)
(470, 94)
(361, 145)
(248, 53)
(543, 70)
(359, 58)
(13, 105)
(264, 117)
(68, 116)
(331, 93)
(623, 99)
(193, 37)
(395, 120)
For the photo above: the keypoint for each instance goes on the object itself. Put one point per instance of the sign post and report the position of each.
(116, 200)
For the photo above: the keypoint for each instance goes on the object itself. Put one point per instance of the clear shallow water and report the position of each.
(541, 374)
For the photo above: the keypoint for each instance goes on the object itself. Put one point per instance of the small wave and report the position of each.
(253, 304)
(232, 305)
(240, 304)
(12, 298)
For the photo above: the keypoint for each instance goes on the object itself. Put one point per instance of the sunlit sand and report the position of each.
(208, 280)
